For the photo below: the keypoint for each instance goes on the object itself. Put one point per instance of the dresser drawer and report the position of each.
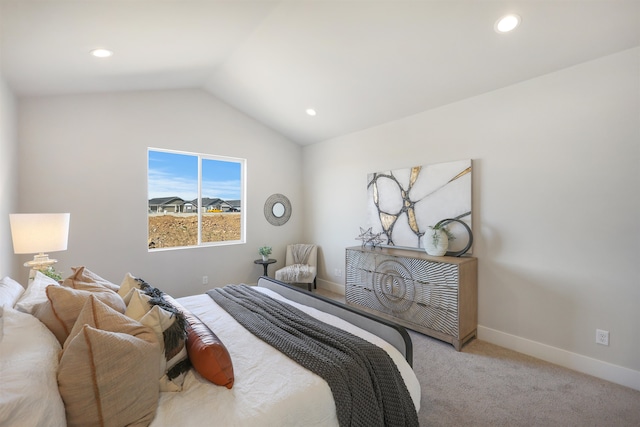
(436, 316)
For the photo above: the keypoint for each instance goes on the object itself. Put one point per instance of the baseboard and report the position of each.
(577, 362)
(337, 288)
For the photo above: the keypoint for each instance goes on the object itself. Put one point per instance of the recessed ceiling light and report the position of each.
(102, 53)
(507, 23)
(311, 111)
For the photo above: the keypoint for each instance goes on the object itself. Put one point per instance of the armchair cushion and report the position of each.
(296, 273)
(300, 264)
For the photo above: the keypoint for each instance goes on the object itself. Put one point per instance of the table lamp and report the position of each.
(37, 234)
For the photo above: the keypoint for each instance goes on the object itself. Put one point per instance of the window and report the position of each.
(194, 199)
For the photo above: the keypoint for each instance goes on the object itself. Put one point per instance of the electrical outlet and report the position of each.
(337, 272)
(205, 280)
(602, 337)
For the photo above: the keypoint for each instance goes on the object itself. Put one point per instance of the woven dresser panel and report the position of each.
(418, 291)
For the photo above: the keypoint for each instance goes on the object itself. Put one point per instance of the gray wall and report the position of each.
(555, 196)
(88, 155)
(8, 178)
(556, 205)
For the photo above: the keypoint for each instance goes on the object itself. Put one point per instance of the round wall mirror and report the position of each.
(277, 209)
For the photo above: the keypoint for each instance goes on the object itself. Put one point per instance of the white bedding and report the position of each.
(270, 389)
(28, 362)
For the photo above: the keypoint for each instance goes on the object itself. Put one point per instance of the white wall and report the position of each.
(8, 178)
(556, 204)
(88, 155)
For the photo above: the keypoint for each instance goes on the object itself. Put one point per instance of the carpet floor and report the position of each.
(487, 385)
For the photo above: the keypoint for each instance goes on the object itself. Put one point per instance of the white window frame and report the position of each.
(243, 198)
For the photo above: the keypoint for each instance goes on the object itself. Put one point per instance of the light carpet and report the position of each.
(487, 385)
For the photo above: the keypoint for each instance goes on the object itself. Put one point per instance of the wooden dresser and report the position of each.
(437, 296)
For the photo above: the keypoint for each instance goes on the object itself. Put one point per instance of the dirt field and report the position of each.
(166, 231)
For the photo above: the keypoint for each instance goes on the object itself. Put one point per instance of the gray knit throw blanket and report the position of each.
(367, 387)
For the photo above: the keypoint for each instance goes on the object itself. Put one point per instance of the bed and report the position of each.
(262, 386)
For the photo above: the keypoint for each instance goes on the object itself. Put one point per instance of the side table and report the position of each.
(265, 264)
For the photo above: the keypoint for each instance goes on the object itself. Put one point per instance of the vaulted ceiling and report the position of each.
(358, 63)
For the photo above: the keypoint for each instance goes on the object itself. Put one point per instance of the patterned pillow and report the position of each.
(108, 376)
(174, 335)
(159, 320)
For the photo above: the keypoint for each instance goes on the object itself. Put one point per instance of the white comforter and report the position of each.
(270, 389)
(28, 363)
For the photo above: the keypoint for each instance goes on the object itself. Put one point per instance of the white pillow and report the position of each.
(10, 291)
(129, 282)
(28, 366)
(137, 304)
(36, 293)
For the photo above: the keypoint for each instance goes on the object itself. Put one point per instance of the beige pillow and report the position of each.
(63, 305)
(109, 377)
(96, 314)
(88, 286)
(82, 274)
(100, 316)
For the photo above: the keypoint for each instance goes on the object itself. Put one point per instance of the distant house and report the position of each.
(166, 204)
(177, 205)
(209, 204)
(234, 205)
(215, 204)
(190, 207)
(224, 207)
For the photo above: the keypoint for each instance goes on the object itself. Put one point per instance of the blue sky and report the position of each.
(176, 174)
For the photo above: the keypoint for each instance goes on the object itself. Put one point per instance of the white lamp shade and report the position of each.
(38, 233)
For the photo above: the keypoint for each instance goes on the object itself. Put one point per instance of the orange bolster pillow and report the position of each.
(207, 353)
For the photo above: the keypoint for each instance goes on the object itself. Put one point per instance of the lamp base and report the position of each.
(40, 262)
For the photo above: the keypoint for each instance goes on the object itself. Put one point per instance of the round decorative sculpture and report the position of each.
(469, 243)
(277, 209)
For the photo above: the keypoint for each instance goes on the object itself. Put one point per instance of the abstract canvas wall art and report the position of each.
(403, 203)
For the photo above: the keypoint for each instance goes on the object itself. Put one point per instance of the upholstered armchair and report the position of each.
(300, 265)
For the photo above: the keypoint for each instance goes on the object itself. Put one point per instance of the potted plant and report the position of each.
(436, 241)
(265, 251)
(51, 272)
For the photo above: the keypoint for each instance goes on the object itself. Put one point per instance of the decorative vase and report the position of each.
(436, 242)
(265, 257)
